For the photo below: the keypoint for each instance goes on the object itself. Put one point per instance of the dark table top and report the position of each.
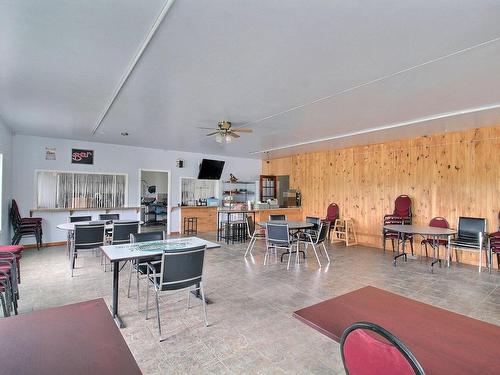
(81, 338)
(442, 341)
(291, 224)
(420, 229)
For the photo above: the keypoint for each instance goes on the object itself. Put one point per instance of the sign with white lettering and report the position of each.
(82, 156)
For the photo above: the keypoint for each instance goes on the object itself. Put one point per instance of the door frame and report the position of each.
(169, 192)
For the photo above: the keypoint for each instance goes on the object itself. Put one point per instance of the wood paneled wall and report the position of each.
(449, 174)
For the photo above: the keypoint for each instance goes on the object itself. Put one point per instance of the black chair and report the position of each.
(254, 234)
(176, 271)
(470, 236)
(88, 237)
(365, 353)
(76, 219)
(278, 237)
(109, 217)
(317, 238)
(122, 229)
(277, 217)
(25, 226)
(316, 221)
(138, 266)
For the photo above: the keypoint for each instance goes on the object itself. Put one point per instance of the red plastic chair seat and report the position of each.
(31, 220)
(367, 355)
(11, 248)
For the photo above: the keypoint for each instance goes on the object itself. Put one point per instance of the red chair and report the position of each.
(332, 214)
(8, 282)
(437, 222)
(17, 250)
(401, 215)
(25, 226)
(494, 242)
(377, 352)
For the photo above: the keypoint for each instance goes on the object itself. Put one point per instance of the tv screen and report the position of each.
(210, 169)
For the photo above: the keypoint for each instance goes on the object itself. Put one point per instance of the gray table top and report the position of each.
(420, 229)
(291, 224)
(152, 248)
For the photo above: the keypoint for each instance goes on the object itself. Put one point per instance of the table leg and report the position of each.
(435, 245)
(197, 294)
(403, 254)
(114, 307)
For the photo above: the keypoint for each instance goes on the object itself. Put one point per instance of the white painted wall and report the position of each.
(158, 179)
(6, 151)
(30, 156)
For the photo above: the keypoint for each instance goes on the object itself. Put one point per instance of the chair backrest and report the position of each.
(109, 217)
(470, 227)
(250, 225)
(364, 353)
(122, 229)
(16, 215)
(324, 228)
(277, 217)
(332, 212)
(439, 222)
(278, 234)
(147, 236)
(313, 220)
(402, 206)
(182, 269)
(89, 236)
(76, 219)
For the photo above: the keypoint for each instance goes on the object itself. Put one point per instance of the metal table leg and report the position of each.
(114, 306)
(197, 294)
(435, 246)
(403, 254)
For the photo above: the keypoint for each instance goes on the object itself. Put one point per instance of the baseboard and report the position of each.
(45, 244)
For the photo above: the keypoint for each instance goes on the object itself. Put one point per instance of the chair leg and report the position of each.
(158, 313)
(189, 298)
(289, 257)
(4, 306)
(393, 248)
(204, 304)
(147, 299)
(250, 246)
(316, 253)
(326, 252)
(411, 246)
(137, 280)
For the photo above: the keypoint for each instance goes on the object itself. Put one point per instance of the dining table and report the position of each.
(293, 226)
(145, 251)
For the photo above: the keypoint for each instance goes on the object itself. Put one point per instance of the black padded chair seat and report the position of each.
(465, 242)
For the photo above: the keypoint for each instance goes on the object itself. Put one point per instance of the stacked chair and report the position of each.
(332, 214)
(9, 278)
(25, 226)
(494, 246)
(401, 215)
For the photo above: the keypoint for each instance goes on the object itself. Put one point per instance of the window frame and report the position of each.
(35, 190)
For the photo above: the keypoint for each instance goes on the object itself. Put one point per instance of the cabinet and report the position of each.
(268, 185)
(239, 192)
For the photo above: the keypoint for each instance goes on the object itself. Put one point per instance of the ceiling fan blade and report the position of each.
(209, 134)
(242, 130)
(233, 134)
(205, 128)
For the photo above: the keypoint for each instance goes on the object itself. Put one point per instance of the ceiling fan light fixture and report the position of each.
(228, 138)
(219, 138)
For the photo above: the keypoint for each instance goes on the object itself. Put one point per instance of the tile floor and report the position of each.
(251, 326)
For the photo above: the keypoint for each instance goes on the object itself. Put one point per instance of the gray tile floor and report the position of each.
(251, 328)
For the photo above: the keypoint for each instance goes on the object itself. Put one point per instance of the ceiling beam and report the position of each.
(133, 63)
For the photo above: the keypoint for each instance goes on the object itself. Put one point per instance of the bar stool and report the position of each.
(190, 225)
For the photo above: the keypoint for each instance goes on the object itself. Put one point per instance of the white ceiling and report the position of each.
(344, 72)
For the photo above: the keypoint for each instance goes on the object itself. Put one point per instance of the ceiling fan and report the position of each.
(224, 133)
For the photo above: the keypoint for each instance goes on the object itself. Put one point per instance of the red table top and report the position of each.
(443, 342)
(81, 338)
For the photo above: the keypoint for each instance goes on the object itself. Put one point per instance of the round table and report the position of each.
(423, 230)
(71, 226)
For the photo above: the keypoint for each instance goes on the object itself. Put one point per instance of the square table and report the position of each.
(144, 251)
(80, 338)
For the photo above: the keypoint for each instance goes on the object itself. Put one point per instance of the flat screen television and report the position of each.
(210, 169)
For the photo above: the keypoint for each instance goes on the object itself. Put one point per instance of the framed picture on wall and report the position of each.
(79, 156)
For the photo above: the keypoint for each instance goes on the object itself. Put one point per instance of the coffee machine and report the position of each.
(291, 198)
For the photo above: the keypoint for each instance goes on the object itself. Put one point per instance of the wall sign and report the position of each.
(82, 156)
(50, 153)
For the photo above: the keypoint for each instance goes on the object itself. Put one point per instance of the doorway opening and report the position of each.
(154, 190)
